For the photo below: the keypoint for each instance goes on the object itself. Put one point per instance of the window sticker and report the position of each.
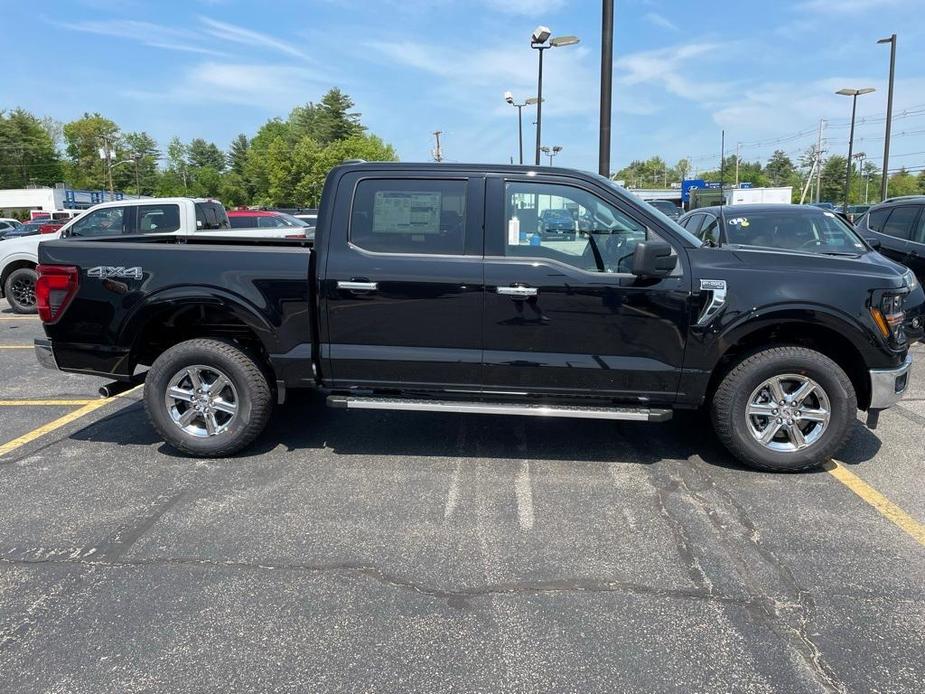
(398, 212)
(738, 221)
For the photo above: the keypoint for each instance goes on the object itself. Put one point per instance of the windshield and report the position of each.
(666, 220)
(814, 232)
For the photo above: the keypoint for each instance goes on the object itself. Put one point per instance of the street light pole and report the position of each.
(509, 97)
(603, 160)
(884, 182)
(538, 41)
(551, 152)
(854, 94)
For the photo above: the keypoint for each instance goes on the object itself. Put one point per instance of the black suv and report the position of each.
(896, 227)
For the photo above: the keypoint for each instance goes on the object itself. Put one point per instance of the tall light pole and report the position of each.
(884, 182)
(854, 94)
(508, 97)
(551, 152)
(603, 157)
(541, 41)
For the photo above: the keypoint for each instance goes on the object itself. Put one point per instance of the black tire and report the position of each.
(731, 399)
(253, 396)
(20, 290)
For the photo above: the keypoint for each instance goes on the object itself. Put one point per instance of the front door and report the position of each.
(895, 230)
(915, 259)
(403, 283)
(564, 316)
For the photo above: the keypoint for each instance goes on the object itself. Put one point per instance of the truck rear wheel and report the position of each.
(784, 409)
(207, 398)
(20, 290)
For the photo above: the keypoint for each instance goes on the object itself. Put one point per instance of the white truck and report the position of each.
(759, 196)
(170, 216)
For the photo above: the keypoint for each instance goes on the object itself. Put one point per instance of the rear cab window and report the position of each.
(409, 216)
(158, 219)
(211, 215)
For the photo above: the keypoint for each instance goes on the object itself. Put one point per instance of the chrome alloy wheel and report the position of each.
(201, 400)
(788, 413)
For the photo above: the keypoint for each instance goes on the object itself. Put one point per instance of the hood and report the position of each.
(879, 270)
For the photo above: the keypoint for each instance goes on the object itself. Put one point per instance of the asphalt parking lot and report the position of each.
(420, 552)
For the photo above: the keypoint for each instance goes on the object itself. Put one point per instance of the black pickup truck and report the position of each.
(432, 288)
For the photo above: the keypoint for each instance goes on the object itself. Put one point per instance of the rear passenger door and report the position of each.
(896, 230)
(402, 287)
(916, 255)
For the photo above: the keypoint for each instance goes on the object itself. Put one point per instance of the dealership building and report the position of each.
(58, 198)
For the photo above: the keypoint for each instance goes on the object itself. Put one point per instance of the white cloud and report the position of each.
(660, 21)
(674, 69)
(236, 34)
(851, 6)
(268, 87)
(145, 33)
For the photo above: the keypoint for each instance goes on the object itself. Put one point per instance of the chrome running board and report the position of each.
(632, 414)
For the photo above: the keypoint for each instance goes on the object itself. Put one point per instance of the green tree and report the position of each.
(27, 151)
(780, 170)
(178, 166)
(205, 154)
(833, 179)
(921, 180)
(237, 154)
(140, 149)
(903, 183)
(328, 121)
(84, 138)
(205, 182)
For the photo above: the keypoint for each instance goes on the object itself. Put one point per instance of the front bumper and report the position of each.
(887, 386)
(44, 353)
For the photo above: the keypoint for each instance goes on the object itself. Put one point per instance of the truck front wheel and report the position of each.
(20, 290)
(784, 409)
(207, 398)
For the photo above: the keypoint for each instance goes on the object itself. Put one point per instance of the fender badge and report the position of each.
(105, 272)
(713, 285)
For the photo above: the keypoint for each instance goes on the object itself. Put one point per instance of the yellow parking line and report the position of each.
(884, 506)
(91, 406)
(45, 403)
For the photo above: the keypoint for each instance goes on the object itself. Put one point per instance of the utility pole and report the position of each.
(722, 167)
(884, 183)
(860, 156)
(603, 164)
(819, 160)
(738, 150)
(438, 152)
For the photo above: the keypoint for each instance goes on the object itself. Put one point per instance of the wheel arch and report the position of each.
(842, 340)
(11, 267)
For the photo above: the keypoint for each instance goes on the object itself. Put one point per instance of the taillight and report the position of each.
(54, 289)
(49, 228)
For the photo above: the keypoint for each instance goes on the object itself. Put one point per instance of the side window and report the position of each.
(709, 231)
(105, 222)
(589, 233)
(158, 219)
(876, 218)
(409, 216)
(899, 223)
(919, 235)
(692, 224)
(270, 222)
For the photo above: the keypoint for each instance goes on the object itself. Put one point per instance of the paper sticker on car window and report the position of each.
(738, 221)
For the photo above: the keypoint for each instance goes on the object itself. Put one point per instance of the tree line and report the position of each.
(781, 170)
(283, 164)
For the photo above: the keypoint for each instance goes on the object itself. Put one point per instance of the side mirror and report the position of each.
(653, 259)
(874, 243)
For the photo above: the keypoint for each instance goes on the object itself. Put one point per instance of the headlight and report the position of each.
(911, 280)
(889, 315)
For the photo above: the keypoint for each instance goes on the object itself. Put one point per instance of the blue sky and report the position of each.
(683, 70)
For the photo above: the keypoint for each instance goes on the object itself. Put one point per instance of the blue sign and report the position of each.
(688, 185)
(745, 184)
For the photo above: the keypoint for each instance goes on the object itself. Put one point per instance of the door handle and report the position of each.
(518, 292)
(358, 286)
